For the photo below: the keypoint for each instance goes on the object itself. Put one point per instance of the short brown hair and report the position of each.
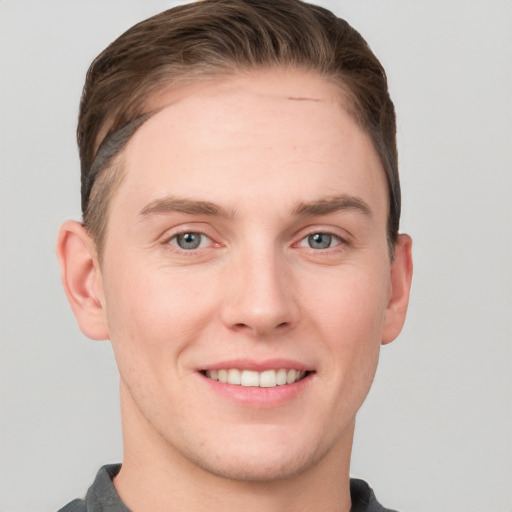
(222, 37)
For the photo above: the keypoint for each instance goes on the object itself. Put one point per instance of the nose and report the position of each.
(259, 295)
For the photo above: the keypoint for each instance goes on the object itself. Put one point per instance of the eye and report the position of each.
(190, 241)
(320, 241)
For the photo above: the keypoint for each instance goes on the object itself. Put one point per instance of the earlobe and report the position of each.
(400, 279)
(81, 279)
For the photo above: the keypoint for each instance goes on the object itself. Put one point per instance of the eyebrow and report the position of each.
(330, 205)
(324, 206)
(171, 204)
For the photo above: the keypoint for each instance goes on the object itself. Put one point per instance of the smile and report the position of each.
(251, 378)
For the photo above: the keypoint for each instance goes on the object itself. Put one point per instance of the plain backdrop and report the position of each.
(435, 431)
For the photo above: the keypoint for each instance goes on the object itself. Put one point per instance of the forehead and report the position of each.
(251, 134)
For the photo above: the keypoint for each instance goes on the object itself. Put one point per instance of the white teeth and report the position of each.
(281, 377)
(251, 378)
(234, 376)
(290, 377)
(268, 379)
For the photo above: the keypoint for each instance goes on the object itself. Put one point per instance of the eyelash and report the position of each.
(303, 242)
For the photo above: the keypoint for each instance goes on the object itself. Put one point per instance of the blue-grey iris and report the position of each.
(320, 241)
(188, 241)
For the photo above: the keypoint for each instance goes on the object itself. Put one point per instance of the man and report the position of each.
(240, 249)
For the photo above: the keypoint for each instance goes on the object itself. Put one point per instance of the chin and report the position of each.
(264, 468)
(270, 457)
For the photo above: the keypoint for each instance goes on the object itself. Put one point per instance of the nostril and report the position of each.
(260, 328)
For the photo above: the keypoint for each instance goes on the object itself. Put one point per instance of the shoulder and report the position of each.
(101, 496)
(74, 506)
(363, 498)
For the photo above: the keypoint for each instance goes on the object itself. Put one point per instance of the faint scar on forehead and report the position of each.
(302, 98)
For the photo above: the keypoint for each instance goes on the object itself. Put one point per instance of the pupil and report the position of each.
(319, 241)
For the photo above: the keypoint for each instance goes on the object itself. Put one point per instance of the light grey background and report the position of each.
(435, 432)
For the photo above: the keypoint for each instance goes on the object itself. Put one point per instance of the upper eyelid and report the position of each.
(170, 236)
(189, 227)
(340, 233)
(189, 232)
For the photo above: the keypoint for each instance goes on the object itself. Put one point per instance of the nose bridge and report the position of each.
(260, 293)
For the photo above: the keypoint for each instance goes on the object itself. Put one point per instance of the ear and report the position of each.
(400, 280)
(82, 279)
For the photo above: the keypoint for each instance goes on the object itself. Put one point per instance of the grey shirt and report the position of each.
(102, 496)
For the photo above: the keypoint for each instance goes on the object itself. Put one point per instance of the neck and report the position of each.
(156, 477)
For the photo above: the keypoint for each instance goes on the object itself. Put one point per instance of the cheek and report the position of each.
(154, 312)
(351, 314)
(352, 303)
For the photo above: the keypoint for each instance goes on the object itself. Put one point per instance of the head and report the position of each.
(241, 204)
(205, 40)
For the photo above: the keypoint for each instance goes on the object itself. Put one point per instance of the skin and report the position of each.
(277, 159)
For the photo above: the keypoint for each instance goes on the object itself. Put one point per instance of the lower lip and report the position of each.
(258, 396)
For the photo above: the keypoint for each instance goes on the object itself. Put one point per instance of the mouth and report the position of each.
(254, 379)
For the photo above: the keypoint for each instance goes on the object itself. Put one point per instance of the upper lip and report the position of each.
(258, 366)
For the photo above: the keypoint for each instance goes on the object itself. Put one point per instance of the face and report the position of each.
(245, 282)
